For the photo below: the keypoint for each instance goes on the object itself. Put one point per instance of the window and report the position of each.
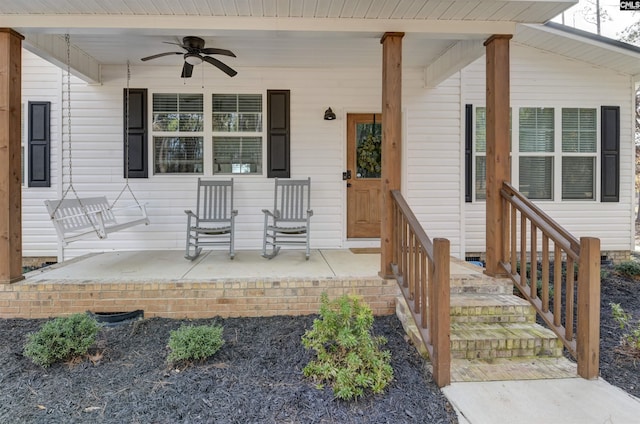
(579, 138)
(237, 133)
(23, 142)
(481, 152)
(536, 143)
(178, 133)
(553, 161)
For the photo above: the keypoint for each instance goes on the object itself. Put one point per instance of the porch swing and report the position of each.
(78, 217)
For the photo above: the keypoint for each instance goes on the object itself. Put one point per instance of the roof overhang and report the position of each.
(581, 45)
(299, 33)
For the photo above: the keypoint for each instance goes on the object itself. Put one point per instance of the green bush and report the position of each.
(629, 269)
(192, 343)
(348, 356)
(61, 339)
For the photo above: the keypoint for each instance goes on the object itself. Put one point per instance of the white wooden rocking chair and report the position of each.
(290, 219)
(214, 220)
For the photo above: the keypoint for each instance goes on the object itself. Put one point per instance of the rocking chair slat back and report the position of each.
(292, 199)
(215, 200)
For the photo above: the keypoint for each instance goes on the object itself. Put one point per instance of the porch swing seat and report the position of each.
(81, 218)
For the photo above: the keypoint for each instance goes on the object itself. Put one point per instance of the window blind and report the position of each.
(536, 129)
(579, 128)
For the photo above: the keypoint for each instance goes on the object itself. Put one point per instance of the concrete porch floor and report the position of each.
(210, 265)
(216, 265)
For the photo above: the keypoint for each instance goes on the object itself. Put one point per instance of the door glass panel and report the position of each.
(368, 150)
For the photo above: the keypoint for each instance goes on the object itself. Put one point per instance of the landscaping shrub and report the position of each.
(348, 356)
(193, 343)
(629, 269)
(631, 338)
(62, 338)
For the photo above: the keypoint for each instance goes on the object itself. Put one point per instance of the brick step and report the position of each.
(482, 340)
(469, 278)
(491, 308)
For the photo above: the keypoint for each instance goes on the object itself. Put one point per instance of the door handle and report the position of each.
(346, 175)
(348, 185)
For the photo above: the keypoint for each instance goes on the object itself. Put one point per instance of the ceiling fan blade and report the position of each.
(187, 70)
(155, 56)
(224, 68)
(213, 50)
(175, 44)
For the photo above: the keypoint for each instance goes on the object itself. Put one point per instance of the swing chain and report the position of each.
(83, 207)
(126, 143)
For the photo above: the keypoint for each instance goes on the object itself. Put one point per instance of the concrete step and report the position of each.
(498, 340)
(503, 369)
(491, 308)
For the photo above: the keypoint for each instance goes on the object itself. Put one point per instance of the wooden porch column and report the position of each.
(391, 141)
(497, 68)
(10, 173)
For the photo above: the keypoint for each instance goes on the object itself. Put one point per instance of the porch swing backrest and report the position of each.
(76, 218)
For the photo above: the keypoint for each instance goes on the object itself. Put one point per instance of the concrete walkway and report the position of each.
(557, 401)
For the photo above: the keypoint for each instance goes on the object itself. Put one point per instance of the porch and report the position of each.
(164, 283)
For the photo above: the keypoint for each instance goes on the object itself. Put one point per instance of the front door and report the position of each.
(364, 167)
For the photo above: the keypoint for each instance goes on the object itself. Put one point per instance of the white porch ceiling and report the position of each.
(265, 33)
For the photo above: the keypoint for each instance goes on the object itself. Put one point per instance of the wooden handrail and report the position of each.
(540, 218)
(421, 268)
(413, 222)
(583, 341)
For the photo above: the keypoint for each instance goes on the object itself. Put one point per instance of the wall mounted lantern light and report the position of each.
(329, 115)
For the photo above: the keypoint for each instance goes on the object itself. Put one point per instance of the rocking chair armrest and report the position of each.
(274, 215)
(309, 212)
(189, 213)
(234, 212)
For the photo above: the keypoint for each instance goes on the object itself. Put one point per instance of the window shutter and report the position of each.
(468, 144)
(278, 134)
(136, 132)
(610, 143)
(39, 143)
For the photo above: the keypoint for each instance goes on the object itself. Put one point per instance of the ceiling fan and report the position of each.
(196, 54)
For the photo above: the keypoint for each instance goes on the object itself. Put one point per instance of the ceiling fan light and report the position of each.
(192, 59)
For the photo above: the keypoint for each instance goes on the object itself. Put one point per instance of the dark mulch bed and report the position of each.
(255, 378)
(619, 366)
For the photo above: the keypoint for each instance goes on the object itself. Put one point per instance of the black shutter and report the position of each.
(279, 134)
(610, 156)
(137, 133)
(39, 144)
(468, 148)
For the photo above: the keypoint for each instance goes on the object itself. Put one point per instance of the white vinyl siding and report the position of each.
(41, 82)
(317, 151)
(545, 80)
(432, 162)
